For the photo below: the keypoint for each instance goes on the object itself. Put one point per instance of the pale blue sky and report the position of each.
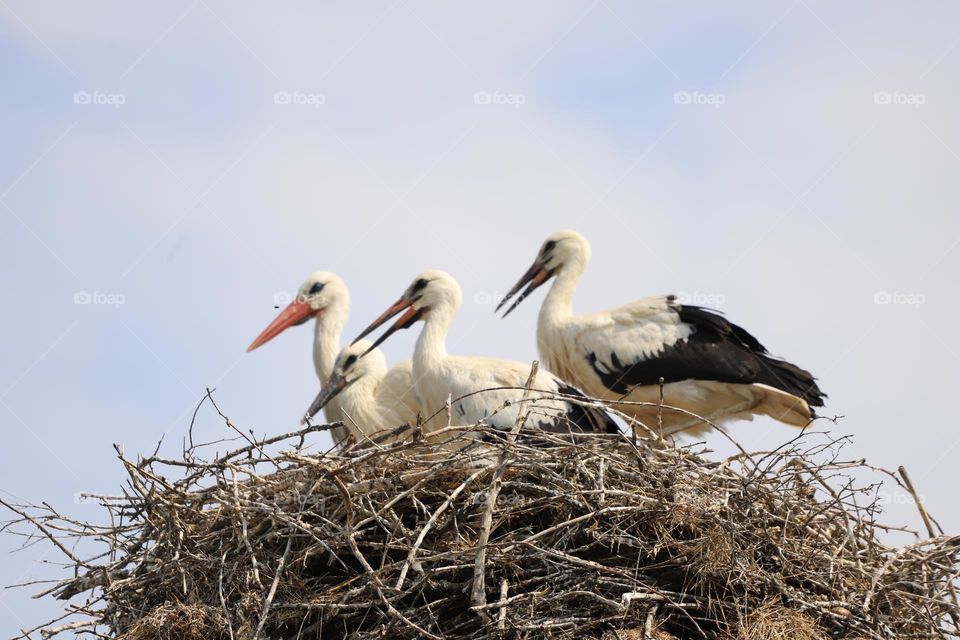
(790, 204)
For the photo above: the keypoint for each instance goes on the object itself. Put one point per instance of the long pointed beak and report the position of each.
(393, 310)
(297, 312)
(535, 276)
(330, 390)
(412, 315)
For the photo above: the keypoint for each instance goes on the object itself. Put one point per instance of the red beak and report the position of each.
(297, 312)
(535, 276)
(403, 322)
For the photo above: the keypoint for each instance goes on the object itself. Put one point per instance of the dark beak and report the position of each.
(535, 276)
(330, 390)
(406, 320)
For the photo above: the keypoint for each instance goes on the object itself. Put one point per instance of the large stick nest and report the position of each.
(529, 536)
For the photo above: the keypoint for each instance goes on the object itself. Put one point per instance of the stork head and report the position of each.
(430, 292)
(561, 250)
(322, 292)
(349, 368)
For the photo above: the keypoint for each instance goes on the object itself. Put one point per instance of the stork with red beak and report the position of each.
(434, 298)
(324, 297)
(709, 366)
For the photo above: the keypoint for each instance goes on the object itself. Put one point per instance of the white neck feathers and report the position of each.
(432, 343)
(326, 339)
(558, 304)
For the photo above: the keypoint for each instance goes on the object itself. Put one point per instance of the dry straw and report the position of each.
(528, 535)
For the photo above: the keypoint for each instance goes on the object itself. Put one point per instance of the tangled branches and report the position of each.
(530, 535)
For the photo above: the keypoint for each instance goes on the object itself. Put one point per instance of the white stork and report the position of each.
(710, 366)
(324, 296)
(372, 398)
(435, 297)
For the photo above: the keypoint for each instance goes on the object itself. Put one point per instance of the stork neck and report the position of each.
(361, 401)
(432, 343)
(558, 303)
(326, 340)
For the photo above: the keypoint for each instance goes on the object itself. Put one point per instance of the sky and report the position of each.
(170, 170)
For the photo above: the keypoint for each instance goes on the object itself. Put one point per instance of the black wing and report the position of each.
(580, 417)
(717, 350)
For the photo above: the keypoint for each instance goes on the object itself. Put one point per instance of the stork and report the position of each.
(323, 296)
(709, 366)
(434, 297)
(372, 398)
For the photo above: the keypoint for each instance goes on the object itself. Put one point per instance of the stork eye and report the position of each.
(548, 246)
(419, 284)
(316, 288)
(349, 361)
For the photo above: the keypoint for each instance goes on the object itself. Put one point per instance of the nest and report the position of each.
(529, 535)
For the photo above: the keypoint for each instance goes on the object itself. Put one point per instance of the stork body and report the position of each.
(435, 297)
(709, 366)
(324, 297)
(371, 397)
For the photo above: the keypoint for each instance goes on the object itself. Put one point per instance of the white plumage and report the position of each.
(710, 367)
(435, 297)
(323, 296)
(371, 397)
